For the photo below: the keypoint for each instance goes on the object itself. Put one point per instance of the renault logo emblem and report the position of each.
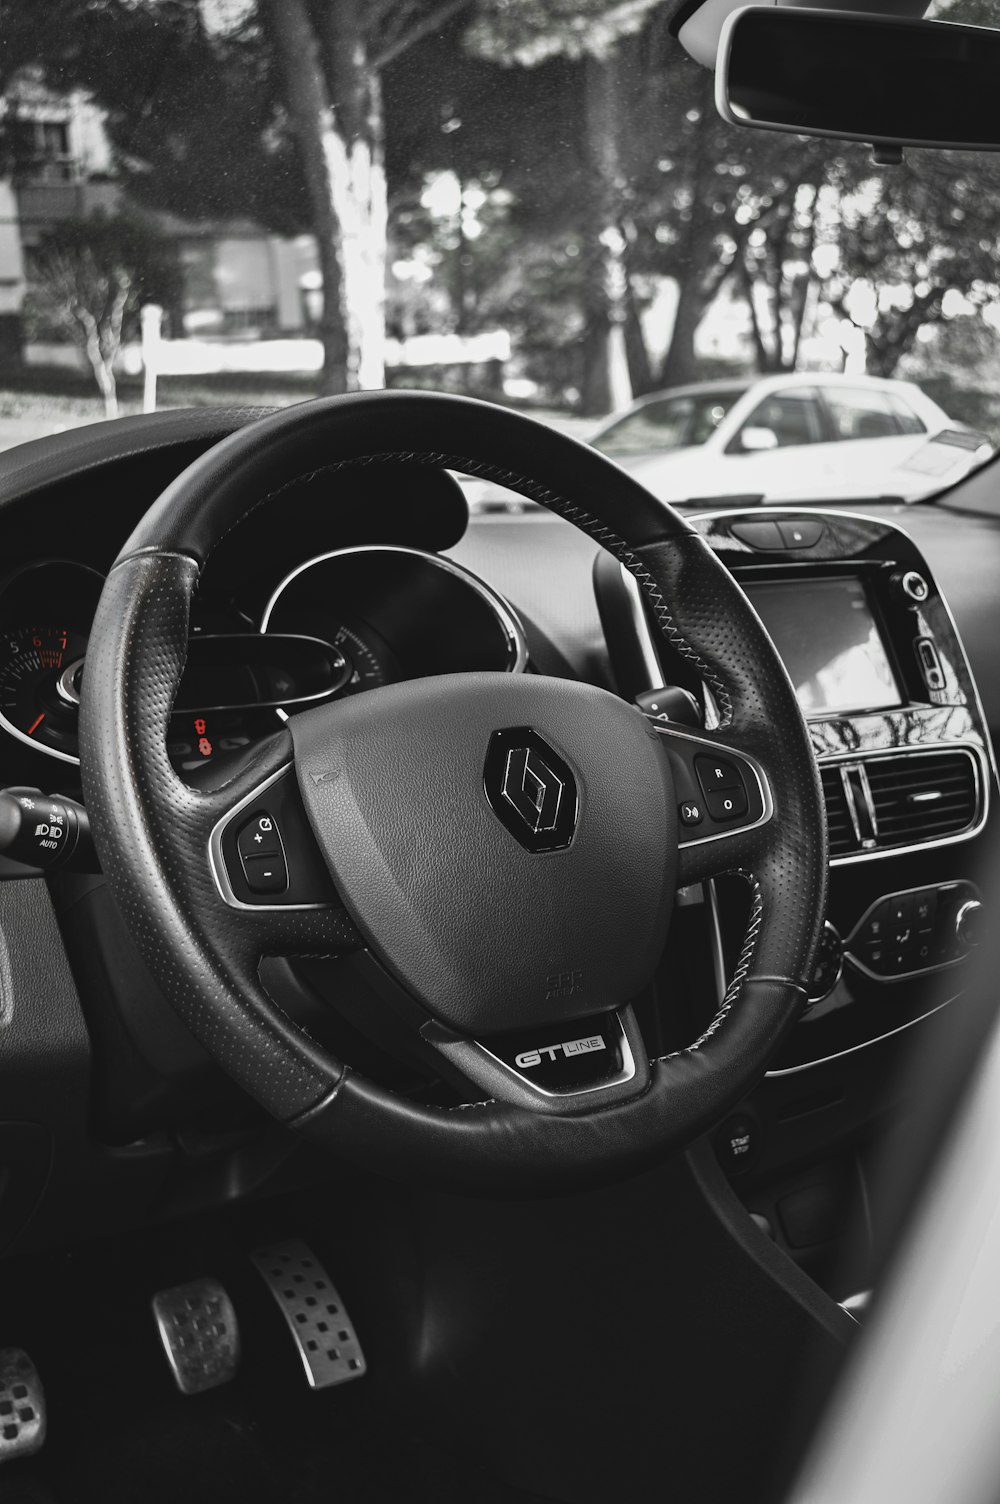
(531, 789)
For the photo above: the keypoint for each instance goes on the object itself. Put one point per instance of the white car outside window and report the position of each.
(821, 437)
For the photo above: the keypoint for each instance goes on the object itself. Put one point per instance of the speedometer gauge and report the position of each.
(39, 685)
(367, 669)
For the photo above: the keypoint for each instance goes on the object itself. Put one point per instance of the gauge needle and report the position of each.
(35, 724)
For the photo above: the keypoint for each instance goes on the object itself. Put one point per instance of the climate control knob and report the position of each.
(968, 922)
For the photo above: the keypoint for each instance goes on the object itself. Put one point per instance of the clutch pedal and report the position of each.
(22, 1405)
(323, 1332)
(200, 1335)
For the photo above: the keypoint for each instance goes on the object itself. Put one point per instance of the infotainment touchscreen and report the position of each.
(827, 635)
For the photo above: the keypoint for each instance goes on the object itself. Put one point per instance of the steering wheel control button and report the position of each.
(829, 965)
(531, 789)
(717, 773)
(727, 804)
(737, 1144)
(266, 874)
(728, 789)
(197, 1326)
(323, 1333)
(259, 837)
(282, 868)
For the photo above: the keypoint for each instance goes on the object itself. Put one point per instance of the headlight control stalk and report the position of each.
(46, 831)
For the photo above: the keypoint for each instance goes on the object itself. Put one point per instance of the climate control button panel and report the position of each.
(918, 930)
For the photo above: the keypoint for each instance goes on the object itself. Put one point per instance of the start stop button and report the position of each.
(737, 1143)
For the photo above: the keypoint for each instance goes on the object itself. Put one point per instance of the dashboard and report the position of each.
(388, 579)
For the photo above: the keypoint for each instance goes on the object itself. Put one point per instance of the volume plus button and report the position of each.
(259, 837)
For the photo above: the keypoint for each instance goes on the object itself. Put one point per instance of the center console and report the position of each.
(902, 746)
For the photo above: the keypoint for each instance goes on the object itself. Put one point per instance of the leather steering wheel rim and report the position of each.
(152, 830)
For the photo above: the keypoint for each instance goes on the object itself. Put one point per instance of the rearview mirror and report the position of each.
(756, 440)
(860, 77)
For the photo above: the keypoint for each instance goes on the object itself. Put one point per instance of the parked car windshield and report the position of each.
(219, 202)
(667, 423)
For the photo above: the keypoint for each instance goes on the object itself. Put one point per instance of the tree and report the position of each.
(913, 240)
(312, 73)
(87, 280)
(719, 206)
(604, 39)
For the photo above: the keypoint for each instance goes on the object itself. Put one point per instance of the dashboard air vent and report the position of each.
(838, 817)
(923, 796)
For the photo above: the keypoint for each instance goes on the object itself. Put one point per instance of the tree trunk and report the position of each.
(360, 197)
(606, 385)
(101, 363)
(693, 255)
(322, 155)
(640, 368)
(606, 382)
(680, 366)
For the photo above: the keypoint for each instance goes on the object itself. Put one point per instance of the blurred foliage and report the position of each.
(195, 120)
(88, 280)
(494, 93)
(528, 32)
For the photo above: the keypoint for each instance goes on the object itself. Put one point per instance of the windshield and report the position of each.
(252, 202)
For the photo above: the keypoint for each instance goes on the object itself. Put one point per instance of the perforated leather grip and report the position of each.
(152, 833)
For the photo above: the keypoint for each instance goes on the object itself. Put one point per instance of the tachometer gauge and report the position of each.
(40, 671)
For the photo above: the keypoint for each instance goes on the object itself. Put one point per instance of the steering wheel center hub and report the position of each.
(491, 835)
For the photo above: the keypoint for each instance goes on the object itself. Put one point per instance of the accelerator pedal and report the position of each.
(200, 1335)
(22, 1405)
(324, 1333)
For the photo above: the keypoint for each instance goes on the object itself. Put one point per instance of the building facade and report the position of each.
(236, 279)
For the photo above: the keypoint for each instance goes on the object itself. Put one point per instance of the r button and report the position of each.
(717, 773)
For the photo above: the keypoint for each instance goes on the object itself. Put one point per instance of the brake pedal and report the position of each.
(22, 1405)
(324, 1333)
(200, 1335)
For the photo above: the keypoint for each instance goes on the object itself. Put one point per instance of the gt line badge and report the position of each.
(552, 1052)
(530, 789)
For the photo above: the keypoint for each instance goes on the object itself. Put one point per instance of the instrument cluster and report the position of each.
(337, 625)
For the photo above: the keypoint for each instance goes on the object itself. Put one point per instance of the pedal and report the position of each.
(200, 1335)
(22, 1405)
(324, 1333)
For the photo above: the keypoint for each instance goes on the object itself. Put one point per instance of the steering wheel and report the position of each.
(505, 848)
